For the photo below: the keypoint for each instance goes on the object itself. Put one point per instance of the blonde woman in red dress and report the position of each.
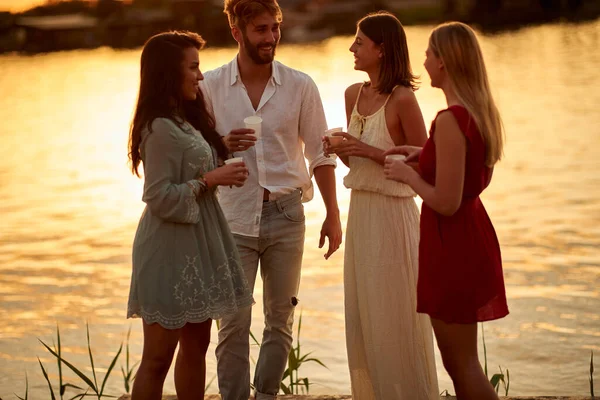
(460, 267)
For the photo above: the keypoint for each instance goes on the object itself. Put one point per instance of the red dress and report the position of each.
(460, 266)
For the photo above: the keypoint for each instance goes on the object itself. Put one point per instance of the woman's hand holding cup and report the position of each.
(331, 141)
(233, 173)
(412, 153)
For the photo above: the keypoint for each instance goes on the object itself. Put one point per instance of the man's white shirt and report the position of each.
(292, 127)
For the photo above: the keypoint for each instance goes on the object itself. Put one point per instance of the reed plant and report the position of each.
(128, 372)
(92, 381)
(291, 383)
(26, 389)
(497, 378)
(296, 359)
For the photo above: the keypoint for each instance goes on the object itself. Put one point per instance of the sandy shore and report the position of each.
(348, 397)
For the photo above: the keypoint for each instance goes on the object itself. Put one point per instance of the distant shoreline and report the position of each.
(77, 24)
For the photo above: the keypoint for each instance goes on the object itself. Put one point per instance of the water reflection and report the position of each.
(70, 208)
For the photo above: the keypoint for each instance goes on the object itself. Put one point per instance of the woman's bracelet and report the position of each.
(203, 181)
(198, 186)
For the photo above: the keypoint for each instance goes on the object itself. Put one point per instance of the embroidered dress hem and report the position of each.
(186, 317)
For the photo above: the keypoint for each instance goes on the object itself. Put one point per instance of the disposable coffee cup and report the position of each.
(399, 157)
(234, 160)
(334, 140)
(254, 122)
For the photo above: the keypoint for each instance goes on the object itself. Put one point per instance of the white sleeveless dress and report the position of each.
(390, 346)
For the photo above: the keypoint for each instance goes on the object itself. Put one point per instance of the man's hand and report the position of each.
(240, 140)
(332, 229)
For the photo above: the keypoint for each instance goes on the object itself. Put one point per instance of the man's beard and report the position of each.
(254, 53)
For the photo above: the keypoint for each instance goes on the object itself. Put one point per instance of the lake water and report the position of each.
(69, 209)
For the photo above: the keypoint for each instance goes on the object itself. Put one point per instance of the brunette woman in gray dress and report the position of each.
(186, 268)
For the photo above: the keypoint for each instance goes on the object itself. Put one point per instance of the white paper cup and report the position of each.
(254, 122)
(234, 160)
(334, 140)
(395, 157)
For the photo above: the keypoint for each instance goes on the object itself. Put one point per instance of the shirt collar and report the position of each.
(235, 72)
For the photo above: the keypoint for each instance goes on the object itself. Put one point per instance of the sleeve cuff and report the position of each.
(319, 162)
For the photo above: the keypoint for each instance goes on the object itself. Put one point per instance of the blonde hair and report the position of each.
(456, 45)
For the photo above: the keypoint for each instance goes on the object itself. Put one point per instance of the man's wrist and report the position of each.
(333, 212)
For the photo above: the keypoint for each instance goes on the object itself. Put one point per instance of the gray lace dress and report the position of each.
(186, 267)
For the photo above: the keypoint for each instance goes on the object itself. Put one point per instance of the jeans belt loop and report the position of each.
(280, 207)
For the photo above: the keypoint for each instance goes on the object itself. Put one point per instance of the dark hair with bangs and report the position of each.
(241, 12)
(160, 93)
(385, 29)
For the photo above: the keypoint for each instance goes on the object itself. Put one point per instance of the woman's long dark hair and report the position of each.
(160, 93)
(385, 29)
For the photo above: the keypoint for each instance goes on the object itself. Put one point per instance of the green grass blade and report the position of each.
(290, 367)
(26, 389)
(127, 349)
(87, 327)
(284, 389)
(592, 374)
(128, 376)
(110, 368)
(298, 349)
(254, 339)
(317, 361)
(80, 395)
(207, 386)
(131, 375)
(495, 381)
(507, 382)
(484, 351)
(125, 380)
(73, 368)
(60, 375)
(304, 356)
(128, 336)
(68, 385)
(47, 379)
(298, 336)
(26, 386)
(306, 384)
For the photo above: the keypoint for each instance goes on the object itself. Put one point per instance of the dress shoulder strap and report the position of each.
(359, 93)
(390, 96)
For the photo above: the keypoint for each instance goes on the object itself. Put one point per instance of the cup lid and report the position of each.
(396, 156)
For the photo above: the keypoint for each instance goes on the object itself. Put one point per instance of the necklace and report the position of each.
(372, 99)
